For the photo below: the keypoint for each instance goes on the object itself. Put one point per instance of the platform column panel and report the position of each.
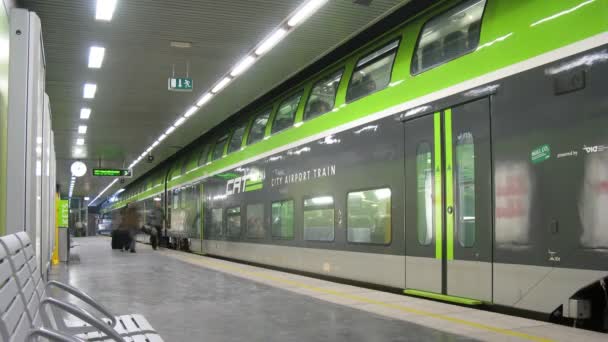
(4, 72)
(24, 133)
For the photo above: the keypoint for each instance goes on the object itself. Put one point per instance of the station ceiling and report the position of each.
(132, 106)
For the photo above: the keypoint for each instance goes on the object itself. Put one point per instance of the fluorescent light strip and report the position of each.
(242, 66)
(162, 137)
(103, 191)
(89, 90)
(105, 9)
(170, 130)
(204, 99)
(271, 41)
(80, 141)
(190, 111)
(221, 85)
(82, 129)
(179, 121)
(85, 113)
(96, 55)
(305, 11)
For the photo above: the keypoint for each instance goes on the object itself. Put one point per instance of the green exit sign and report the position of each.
(113, 173)
(180, 84)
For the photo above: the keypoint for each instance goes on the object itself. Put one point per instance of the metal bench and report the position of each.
(32, 308)
(16, 321)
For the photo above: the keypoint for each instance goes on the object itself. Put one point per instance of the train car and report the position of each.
(462, 156)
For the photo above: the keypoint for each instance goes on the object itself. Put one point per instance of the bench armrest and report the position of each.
(84, 297)
(51, 335)
(84, 316)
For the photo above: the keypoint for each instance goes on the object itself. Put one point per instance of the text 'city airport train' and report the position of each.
(461, 156)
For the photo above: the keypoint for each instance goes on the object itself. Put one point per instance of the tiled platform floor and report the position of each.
(188, 297)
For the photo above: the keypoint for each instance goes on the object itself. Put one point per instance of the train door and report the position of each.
(201, 213)
(448, 203)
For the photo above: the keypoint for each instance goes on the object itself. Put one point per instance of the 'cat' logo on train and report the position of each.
(236, 185)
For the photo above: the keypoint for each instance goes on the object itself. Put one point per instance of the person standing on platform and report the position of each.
(155, 220)
(120, 234)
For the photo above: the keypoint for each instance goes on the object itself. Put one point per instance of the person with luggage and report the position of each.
(120, 234)
(130, 221)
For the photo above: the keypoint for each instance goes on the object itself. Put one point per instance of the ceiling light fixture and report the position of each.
(103, 191)
(223, 83)
(180, 45)
(80, 141)
(96, 55)
(271, 41)
(170, 130)
(179, 121)
(105, 9)
(82, 129)
(78, 152)
(204, 99)
(190, 111)
(85, 113)
(305, 11)
(89, 90)
(242, 66)
(86, 198)
(162, 137)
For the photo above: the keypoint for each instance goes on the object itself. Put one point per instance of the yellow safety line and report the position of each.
(266, 276)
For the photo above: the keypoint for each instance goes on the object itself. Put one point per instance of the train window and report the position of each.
(319, 218)
(233, 221)
(286, 113)
(282, 219)
(216, 221)
(258, 127)
(255, 221)
(218, 150)
(237, 139)
(323, 96)
(175, 199)
(202, 158)
(369, 216)
(424, 186)
(372, 72)
(465, 188)
(448, 36)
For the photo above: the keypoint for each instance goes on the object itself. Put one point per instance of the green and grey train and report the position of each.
(461, 156)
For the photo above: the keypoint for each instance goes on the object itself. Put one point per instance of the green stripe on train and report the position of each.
(438, 188)
(439, 296)
(253, 187)
(449, 186)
